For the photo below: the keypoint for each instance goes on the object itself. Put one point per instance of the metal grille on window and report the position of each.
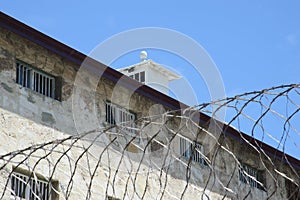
(29, 188)
(23, 75)
(250, 176)
(187, 148)
(35, 80)
(197, 157)
(120, 116)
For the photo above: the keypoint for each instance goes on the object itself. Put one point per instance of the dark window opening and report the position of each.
(252, 176)
(142, 77)
(193, 150)
(28, 186)
(38, 81)
(118, 115)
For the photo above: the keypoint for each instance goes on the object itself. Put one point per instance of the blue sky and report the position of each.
(255, 44)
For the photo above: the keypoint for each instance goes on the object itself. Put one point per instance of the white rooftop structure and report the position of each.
(151, 74)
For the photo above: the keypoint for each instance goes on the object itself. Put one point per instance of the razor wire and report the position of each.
(159, 158)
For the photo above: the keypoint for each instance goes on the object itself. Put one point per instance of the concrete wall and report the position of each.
(28, 118)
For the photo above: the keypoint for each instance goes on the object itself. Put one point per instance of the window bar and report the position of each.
(48, 189)
(32, 81)
(38, 191)
(114, 117)
(17, 73)
(131, 122)
(20, 192)
(108, 113)
(194, 148)
(107, 117)
(24, 76)
(111, 114)
(45, 191)
(12, 184)
(48, 86)
(51, 88)
(41, 84)
(23, 185)
(20, 74)
(184, 147)
(36, 82)
(181, 146)
(119, 114)
(28, 78)
(44, 85)
(27, 75)
(195, 153)
(41, 190)
(16, 189)
(32, 189)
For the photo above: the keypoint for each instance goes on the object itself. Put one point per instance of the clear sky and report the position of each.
(255, 44)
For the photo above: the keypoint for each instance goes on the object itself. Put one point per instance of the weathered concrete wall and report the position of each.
(31, 133)
(28, 118)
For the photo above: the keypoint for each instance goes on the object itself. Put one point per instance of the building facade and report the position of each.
(73, 128)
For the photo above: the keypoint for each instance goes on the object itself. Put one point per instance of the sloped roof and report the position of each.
(150, 63)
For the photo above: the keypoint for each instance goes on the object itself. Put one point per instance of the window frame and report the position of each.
(245, 174)
(139, 76)
(26, 185)
(37, 80)
(115, 115)
(189, 150)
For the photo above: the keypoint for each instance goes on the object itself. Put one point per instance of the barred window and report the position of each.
(251, 176)
(192, 149)
(30, 188)
(35, 80)
(118, 115)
